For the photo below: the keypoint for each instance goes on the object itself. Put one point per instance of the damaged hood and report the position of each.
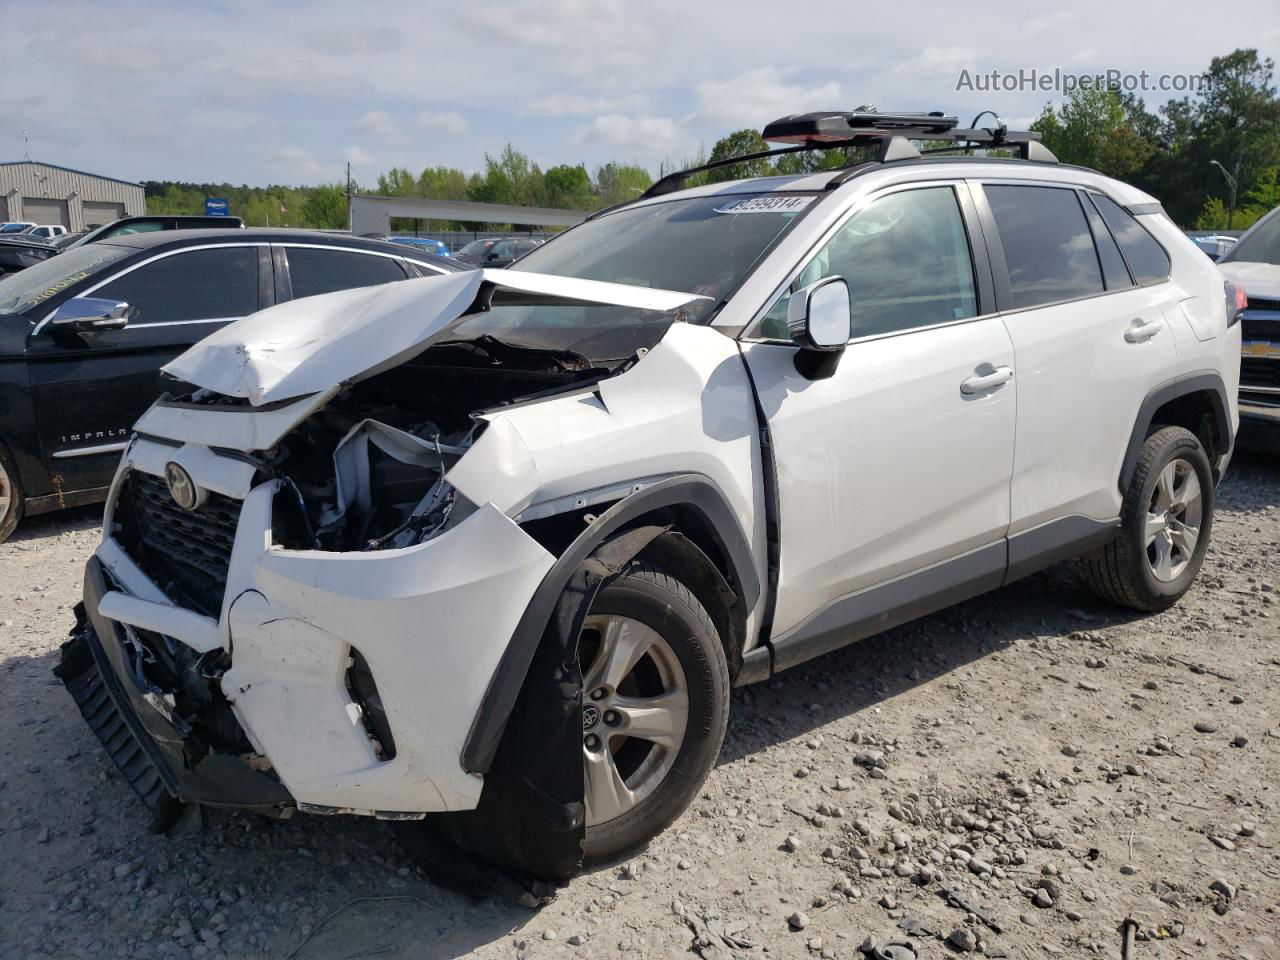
(309, 345)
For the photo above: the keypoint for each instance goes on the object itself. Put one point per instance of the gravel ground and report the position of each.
(1057, 763)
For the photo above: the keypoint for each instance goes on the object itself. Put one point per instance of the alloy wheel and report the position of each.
(6, 491)
(1173, 520)
(635, 709)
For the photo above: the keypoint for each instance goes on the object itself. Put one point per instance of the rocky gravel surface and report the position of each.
(1011, 777)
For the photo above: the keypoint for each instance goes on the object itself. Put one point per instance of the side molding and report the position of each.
(1205, 381)
(687, 490)
(887, 605)
(1040, 547)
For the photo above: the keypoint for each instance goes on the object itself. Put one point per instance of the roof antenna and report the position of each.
(26, 146)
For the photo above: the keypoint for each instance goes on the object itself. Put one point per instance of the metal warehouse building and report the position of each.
(44, 193)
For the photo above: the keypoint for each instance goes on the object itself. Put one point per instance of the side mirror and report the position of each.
(820, 323)
(91, 313)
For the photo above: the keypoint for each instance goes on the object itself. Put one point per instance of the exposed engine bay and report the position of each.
(366, 472)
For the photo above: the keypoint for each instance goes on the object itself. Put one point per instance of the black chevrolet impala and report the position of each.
(83, 336)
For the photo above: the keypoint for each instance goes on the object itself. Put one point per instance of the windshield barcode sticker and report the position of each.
(766, 205)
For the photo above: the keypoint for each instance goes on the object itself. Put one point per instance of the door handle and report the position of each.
(986, 381)
(1141, 331)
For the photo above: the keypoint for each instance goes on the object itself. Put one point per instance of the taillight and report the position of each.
(1237, 300)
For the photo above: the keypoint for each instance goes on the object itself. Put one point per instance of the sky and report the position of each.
(290, 92)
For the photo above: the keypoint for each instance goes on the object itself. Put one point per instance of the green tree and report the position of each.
(737, 144)
(397, 182)
(1235, 120)
(326, 207)
(1213, 215)
(617, 183)
(568, 188)
(1099, 129)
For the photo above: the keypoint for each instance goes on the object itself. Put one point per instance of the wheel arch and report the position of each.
(1197, 402)
(684, 520)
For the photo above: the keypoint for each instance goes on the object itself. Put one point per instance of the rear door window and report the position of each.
(211, 284)
(1146, 258)
(1114, 271)
(316, 270)
(1047, 244)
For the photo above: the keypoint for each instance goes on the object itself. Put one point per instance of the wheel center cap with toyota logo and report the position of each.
(590, 715)
(182, 488)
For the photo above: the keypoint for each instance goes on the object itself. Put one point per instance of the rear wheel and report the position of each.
(1165, 523)
(11, 497)
(654, 707)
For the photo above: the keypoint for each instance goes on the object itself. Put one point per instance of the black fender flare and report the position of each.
(694, 491)
(1207, 381)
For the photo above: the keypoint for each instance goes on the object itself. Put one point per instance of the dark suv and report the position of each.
(84, 334)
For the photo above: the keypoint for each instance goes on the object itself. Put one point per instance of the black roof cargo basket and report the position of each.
(891, 133)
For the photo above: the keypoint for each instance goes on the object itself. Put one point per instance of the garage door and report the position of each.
(44, 210)
(96, 213)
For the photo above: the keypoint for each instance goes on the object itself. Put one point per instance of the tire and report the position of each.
(1130, 571)
(646, 595)
(12, 502)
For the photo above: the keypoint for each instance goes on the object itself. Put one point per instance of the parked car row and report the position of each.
(84, 333)
(44, 231)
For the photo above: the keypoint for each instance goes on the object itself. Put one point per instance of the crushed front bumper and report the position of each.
(430, 622)
(146, 741)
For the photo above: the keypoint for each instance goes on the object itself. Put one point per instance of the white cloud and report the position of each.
(572, 104)
(585, 35)
(377, 123)
(298, 164)
(445, 122)
(753, 98)
(935, 61)
(647, 134)
(355, 155)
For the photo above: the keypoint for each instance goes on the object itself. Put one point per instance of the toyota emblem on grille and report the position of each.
(182, 488)
(590, 715)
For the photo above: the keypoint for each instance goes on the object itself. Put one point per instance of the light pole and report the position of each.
(1231, 182)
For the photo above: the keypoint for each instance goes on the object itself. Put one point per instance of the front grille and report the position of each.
(1259, 372)
(1260, 326)
(185, 552)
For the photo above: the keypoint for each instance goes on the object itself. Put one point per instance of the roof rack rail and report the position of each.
(891, 133)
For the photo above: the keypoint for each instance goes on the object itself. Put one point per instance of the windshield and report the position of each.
(31, 287)
(14, 227)
(704, 246)
(1261, 245)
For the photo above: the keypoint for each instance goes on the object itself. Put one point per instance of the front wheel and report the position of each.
(11, 497)
(655, 704)
(1165, 522)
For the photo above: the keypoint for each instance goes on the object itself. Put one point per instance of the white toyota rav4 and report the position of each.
(496, 545)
